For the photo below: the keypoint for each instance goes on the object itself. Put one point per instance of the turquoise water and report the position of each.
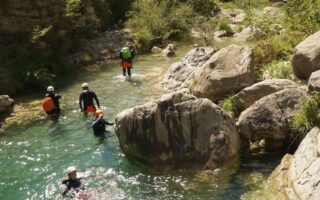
(33, 158)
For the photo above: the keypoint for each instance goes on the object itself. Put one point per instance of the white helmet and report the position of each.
(50, 89)
(85, 85)
(71, 169)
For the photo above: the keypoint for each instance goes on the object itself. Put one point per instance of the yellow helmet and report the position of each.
(99, 112)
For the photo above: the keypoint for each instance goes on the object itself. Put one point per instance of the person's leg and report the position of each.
(123, 71)
(129, 71)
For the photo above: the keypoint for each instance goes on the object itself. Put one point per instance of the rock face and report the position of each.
(249, 95)
(297, 177)
(178, 128)
(314, 81)
(181, 74)
(227, 71)
(6, 103)
(21, 15)
(306, 56)
(169, 51)
(250, 33)
(269, 118)
(106, 46)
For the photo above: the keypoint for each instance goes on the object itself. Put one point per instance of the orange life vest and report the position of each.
(126, 64)
(47, 104)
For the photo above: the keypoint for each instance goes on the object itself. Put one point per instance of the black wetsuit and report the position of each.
(55, 98)
(99, 126)
(129, 60)
(72, 184)
(87, 97)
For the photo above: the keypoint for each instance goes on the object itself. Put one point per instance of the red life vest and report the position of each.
(126, 64)
(47, 104)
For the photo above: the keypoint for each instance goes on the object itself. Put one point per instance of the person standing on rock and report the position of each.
(86, 100)
(50, 103)
(99, 124)
(126, 55)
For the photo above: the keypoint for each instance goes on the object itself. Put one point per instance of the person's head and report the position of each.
(50, 89)
(72, 172)
(85, 86)
(98, 113)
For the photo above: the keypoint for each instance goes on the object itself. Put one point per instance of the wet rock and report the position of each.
(181, 74)
(250, 33)
(269, 118)
(169, 51)
(306, 56)
(156, 50)
(227, 71)
(249, 95)
(297, 176)
(177, 129)
(6, 103)
(314, 81)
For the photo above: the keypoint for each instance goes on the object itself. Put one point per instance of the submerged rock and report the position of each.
(306, 56)
(297, 177)
(249, 95)
(227, 71)
(169, 51)
(156, 49)
(181, 74)
(6, 103)
(177, 129)
(269, 118)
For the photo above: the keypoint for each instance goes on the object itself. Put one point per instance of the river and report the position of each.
(33, 158)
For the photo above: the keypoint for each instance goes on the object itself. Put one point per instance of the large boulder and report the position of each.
(306, 56)
(176, 129)
(314, 81)
(297, 177)
(269, 118)
(249, 95)
(226, 72)
(181, 74)
(6, 103)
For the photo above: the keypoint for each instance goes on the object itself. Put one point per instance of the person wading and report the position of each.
(99, 124)
(126, 55)
(50, 103)
(86, 100)
(73, 184)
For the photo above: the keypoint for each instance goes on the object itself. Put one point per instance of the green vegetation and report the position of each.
(224, 26)
(306, 116)
(279, 69)
(165, 20)
(229, 105)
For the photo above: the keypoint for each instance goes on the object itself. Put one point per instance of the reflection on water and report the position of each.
(33, 158)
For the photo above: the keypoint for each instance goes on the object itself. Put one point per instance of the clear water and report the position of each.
(33, 158)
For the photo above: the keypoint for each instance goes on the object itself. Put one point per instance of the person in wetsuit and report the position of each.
(126, 55)
(86, 100)
(72, 183)
(99, 124)
(55, 98)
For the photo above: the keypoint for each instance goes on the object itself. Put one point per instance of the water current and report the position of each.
(33, 158)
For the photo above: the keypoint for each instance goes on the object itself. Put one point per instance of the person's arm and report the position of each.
(65, 188)
(80, 101)
(132, 53)
(120, 55)
(107, 122)
(96, 98)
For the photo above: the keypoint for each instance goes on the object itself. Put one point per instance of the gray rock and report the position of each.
(227, 71)
(178, 128)
(6, 103)
(222, 33)
(306, 56)
(273, 12)
(269, 118)
(314, 81)
(181, 74)
(249, 95)
(169, 51)
(297, 177)
(250, 33)
(156, 49)
(239, 18)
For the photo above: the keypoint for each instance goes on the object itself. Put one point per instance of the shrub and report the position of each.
(279, 69)
(229, 105)
(306, 115)
(224, 26)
